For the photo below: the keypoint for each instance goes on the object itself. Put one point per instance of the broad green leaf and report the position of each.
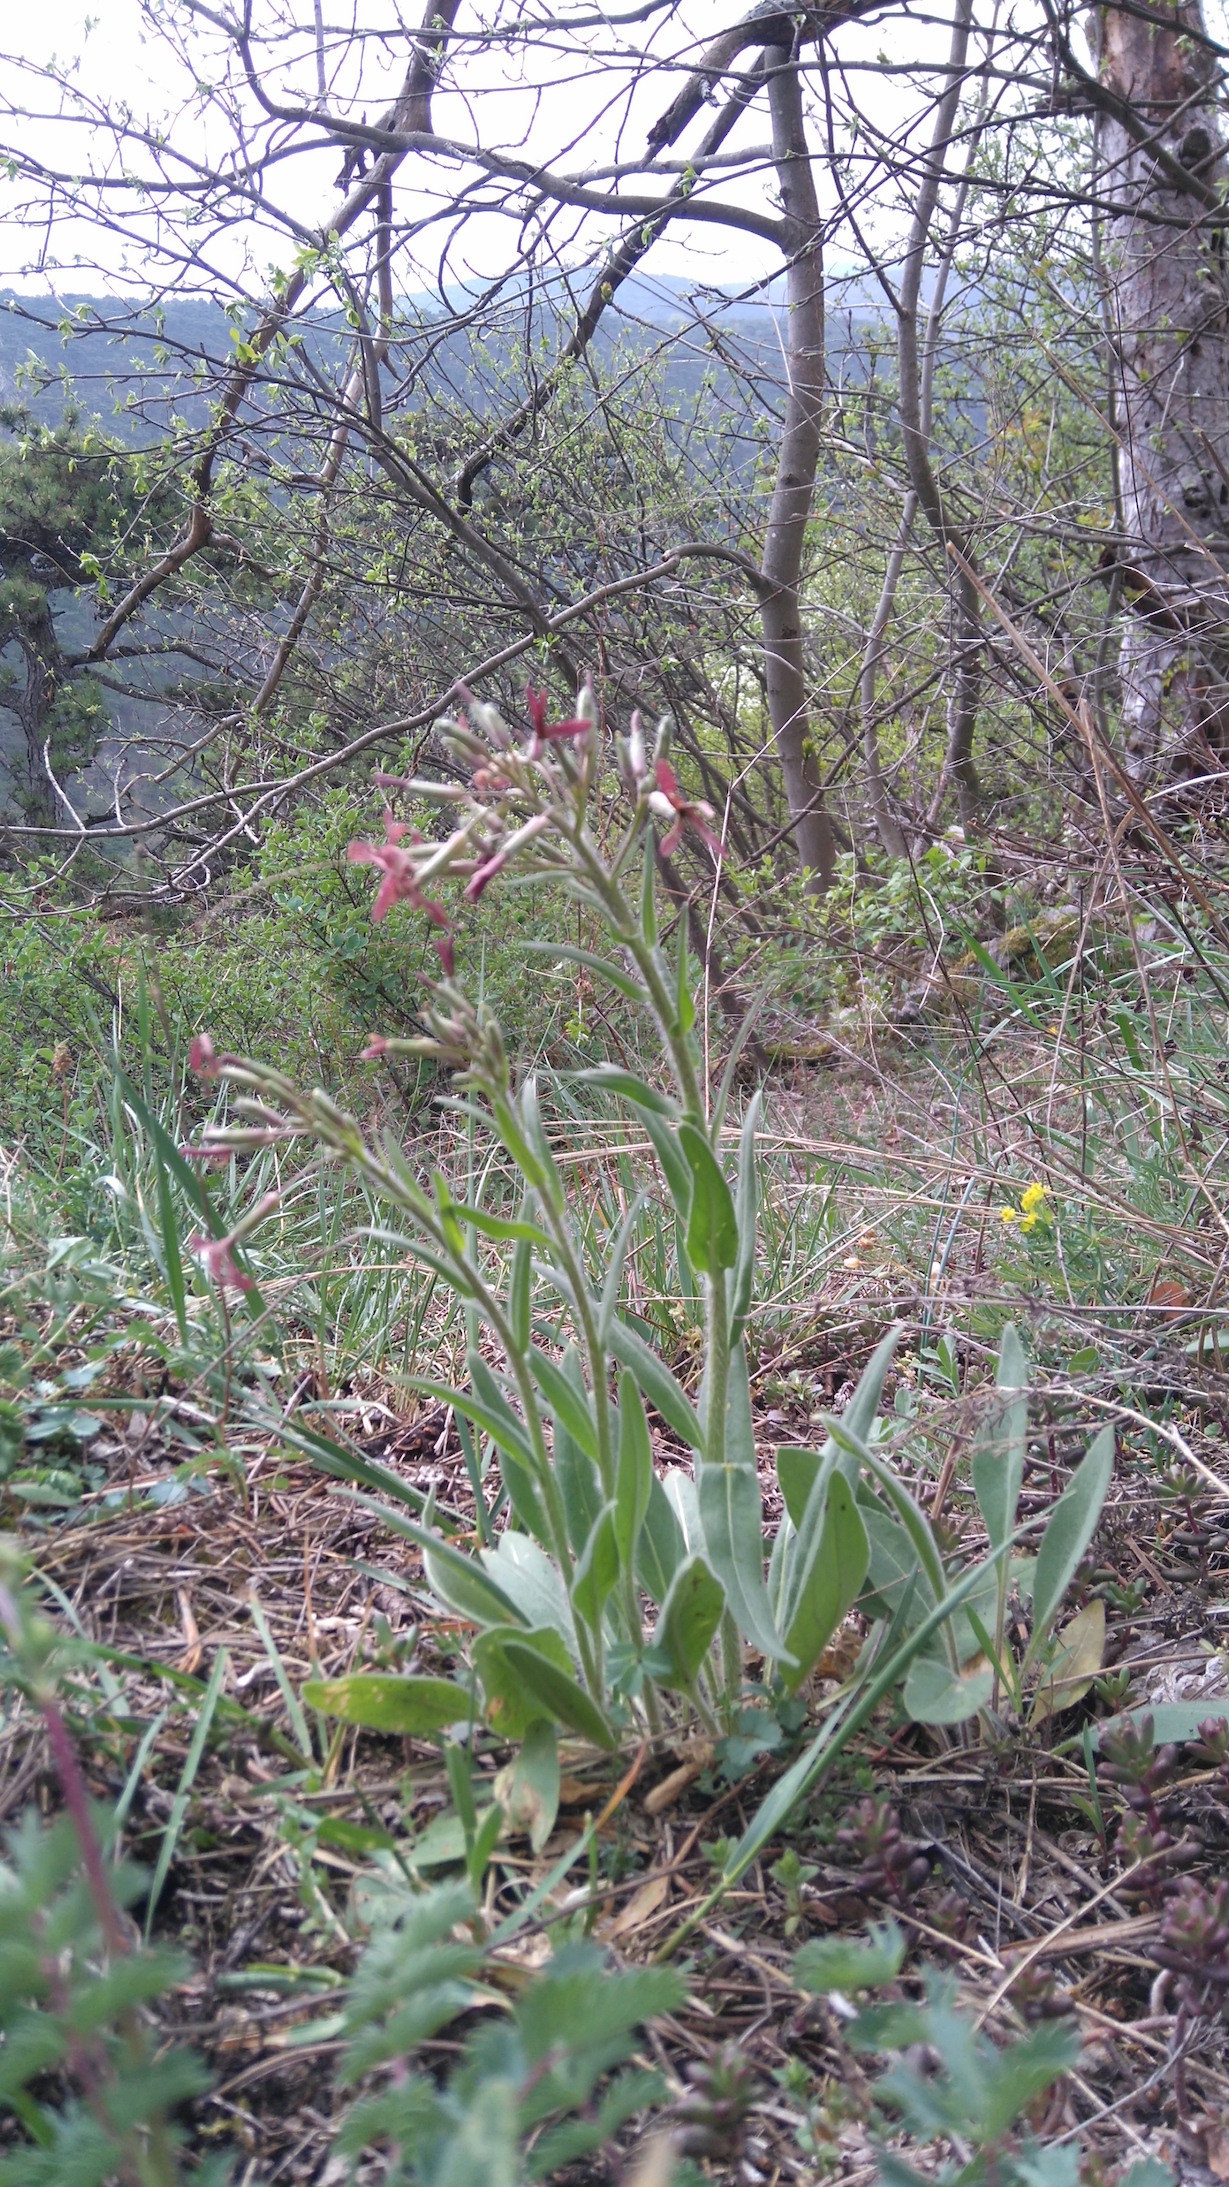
(747, 1213)
(656, 1382)
(732, 1519)
(532, 1578)
(893, 1567)
(851, 1962)
(1079, 1653)
(936, 1694)
(739, 1431)
(998, 1448)
(559, 1693)
(463, 1586)
(617, 977)
(690, 1616)
(508, 1429)
(796, 1471)
(419, 1707)
(612, 1079)
(598, 1567)
(1072, 1524)
(661, 1547)
(680, 1493)
(569, 1405)
(634, 1476)
(528, 1789)
(527, 1506)
(672, 1159)
(712, 1226)
(510, 1705)
(910, 1514)
(825, 1585)
(458, 1580)
(580, 1488)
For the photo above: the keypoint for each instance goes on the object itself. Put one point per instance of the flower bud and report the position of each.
(637, 763)
(661, 742)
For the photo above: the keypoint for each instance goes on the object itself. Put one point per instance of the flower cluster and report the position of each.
(515, 794)
(1032, 1209)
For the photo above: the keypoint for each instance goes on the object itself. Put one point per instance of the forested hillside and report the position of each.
(614, 1105)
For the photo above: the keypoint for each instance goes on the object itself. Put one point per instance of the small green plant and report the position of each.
(980, 2099)
(91, 2091)
(793, 1875)
(535, 2088)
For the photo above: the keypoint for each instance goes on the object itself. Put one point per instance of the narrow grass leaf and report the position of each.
(183, 1791)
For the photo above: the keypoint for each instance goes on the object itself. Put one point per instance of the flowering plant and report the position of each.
(613, 1600)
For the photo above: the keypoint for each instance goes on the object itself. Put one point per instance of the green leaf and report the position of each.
(419, 1707)
(796, 1471)
(458, 1580)
(510, 1705)
(998, 1448)
(500, 1226)
(624, 982)
(936, 1694)
(528, 1789)
(501, 1425)
(612, 1282)
(827, 1583)
(1073, 1522)
(634, 1473)
(560, 1693)
(851, 1962)
(689, 1619)
(612, 1079)
(661, 1547)
(732, 1518)
(657, 1383)
(673, 1162)
(569, 1405)
(712, 1225)
(598, 1567)
(520, 1296)
(747, 1216)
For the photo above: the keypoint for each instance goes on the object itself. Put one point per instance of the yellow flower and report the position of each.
(1032, 1197)
(1009, 1214)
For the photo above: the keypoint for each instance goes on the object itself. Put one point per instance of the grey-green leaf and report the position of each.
(690, 1617)
(1073, 1522)
(634, 1474)
(825, 1584)
(998, 1449)
(732, 1519)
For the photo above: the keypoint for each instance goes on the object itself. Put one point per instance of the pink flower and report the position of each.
(484, 873)
(544, 731)
(667, 800)
(376, 1047)
(219, 1261)
(444, 951)
(202, 1057)
(400, 882)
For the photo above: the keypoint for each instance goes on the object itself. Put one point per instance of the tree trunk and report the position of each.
(1163, 169)
(794, 488)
